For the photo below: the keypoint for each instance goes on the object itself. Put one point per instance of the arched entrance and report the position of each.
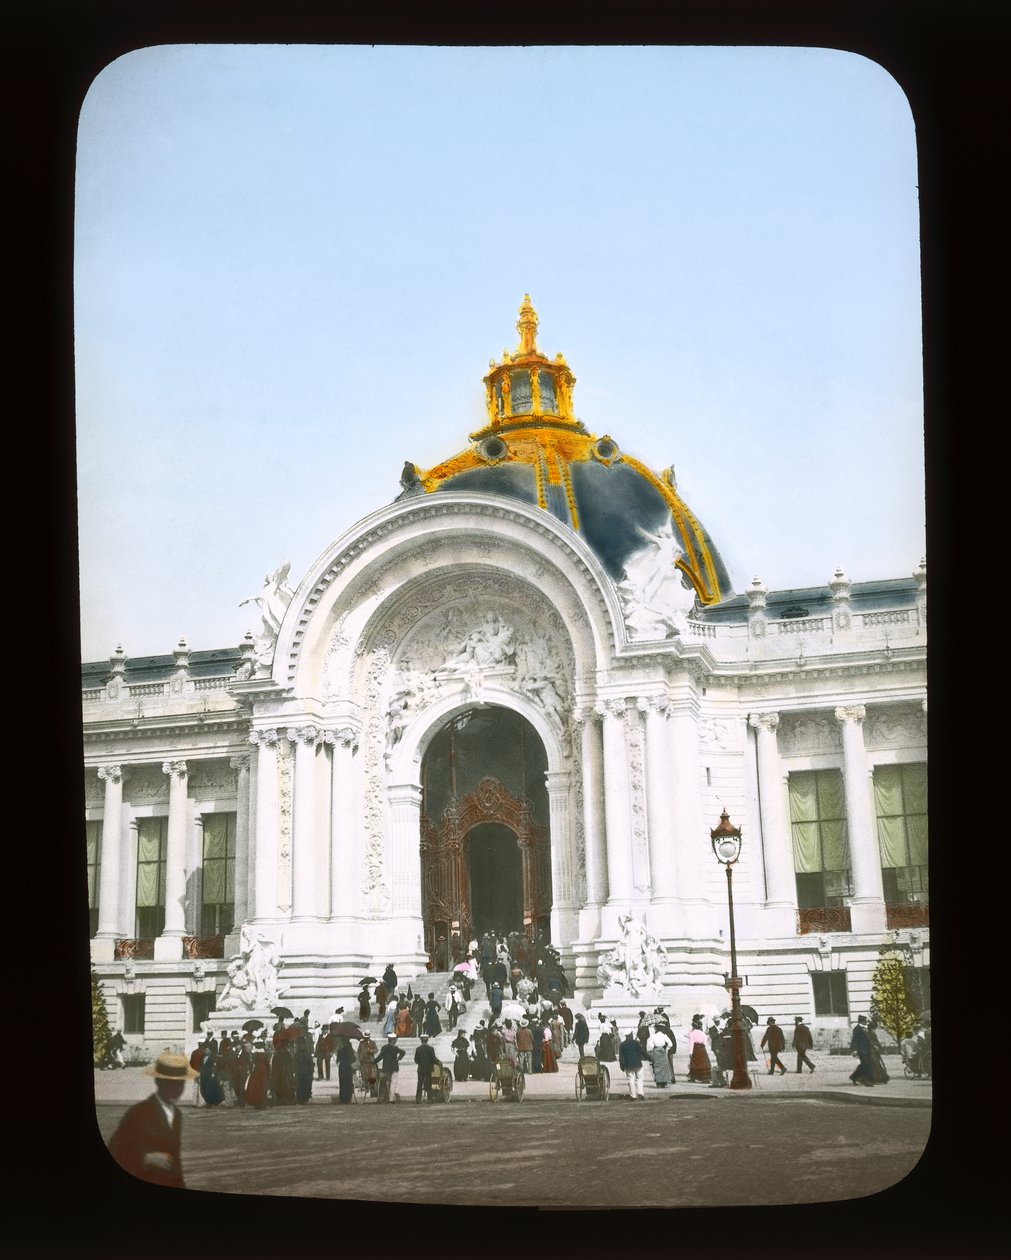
(495, 870)
(485, 847)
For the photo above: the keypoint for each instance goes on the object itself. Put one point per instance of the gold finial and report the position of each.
(527, 327)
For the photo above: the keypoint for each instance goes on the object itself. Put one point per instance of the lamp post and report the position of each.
(726, 841)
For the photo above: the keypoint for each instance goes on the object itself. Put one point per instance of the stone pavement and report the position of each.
(829, 1080)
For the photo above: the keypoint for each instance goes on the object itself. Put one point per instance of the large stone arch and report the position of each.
(345, 591)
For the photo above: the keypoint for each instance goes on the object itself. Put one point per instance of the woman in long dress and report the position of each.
(433, 1024)
(404, 1025)
(364, 1004)
(304, 1070)
(210, 1088)
(657, 1045)
(548, 1061)
(256, 1086)
(345, 1070)
(461, 1060)
(699, 1067)
(881, 1076)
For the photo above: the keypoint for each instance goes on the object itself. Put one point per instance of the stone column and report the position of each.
(563, 918)
(405, 819)
(195, 887)
(777, 843)
(659, 805)
(696, 916)
(111, 859)
(241, 764)
(265, 839)
(594, 828)
(617, 806)
(305, 882)
(345, 875)
(169, 944)
(867, 905)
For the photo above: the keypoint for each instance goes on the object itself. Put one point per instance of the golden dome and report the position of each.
(535, 449)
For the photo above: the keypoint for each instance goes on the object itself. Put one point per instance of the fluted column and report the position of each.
(563, 922)
(169, 944)
(659, 805)
(405, 820)
(241, 765)
(777, 847)
(194, 900)
(591, 767)
(265, 840)
(306, 884)
(344, 869)
(111, 859)
(867, 904)
(617, 803)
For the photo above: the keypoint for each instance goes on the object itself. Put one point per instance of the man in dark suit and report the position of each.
(775, 1041)
(425, 1058)
(147, 1140)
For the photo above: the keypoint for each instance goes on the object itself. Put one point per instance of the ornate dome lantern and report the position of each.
(534, 448)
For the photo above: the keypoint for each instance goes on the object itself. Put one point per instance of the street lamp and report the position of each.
(726, 841)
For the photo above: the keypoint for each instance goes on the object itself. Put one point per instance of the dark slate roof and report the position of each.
(219, 662)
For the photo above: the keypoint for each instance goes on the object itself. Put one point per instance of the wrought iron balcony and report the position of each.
(908, 914)
(823, 919)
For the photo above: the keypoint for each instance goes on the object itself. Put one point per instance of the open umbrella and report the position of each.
(251, 1025)
(368, 980)
(750, 1013)
(346, 1029)
(467, 967)
(282, 1012)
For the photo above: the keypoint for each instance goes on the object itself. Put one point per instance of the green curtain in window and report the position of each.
(150, 868)
(219, 859)
(900, 802)
(94, 831)
(818, 821)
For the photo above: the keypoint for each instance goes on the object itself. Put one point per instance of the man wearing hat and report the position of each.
(860, 1045)
(147, 1140)
(388, 1060)
(802, 1042)
(425, 1058)
(775, 1041)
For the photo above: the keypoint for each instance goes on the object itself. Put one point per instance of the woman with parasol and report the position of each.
(364, 1005)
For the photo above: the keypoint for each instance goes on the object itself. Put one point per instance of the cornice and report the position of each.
(144, 728)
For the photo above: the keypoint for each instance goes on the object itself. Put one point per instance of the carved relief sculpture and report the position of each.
(637, 962)
(252, 974)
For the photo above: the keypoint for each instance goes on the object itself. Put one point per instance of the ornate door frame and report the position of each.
(445, 873)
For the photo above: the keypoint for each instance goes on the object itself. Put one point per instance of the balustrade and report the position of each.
(823, 919)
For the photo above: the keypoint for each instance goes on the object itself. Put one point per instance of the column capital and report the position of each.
(585, 713)
(174, 768)
(110, 774)
(307, 734)
(611, 708)
(655, 703)
(265, 738)
(851, 713)
(346, 736)
(557, 782)
(405, 794)
(240, 762)
(764, 721)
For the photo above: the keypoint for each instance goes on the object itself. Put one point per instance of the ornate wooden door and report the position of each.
(445, 875)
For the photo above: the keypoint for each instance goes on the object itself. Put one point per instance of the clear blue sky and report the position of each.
(294, 263)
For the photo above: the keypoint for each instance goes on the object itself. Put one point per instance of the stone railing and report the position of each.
(98, 695)
(804, 625)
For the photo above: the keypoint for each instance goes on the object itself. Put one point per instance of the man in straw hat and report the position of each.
(147, 1140)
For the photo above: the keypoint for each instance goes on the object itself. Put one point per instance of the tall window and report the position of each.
(133, 1012)
(217, 908)
(900, 802)
(94, 843)
(829, 989)
(152, 839)
(820, 848)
